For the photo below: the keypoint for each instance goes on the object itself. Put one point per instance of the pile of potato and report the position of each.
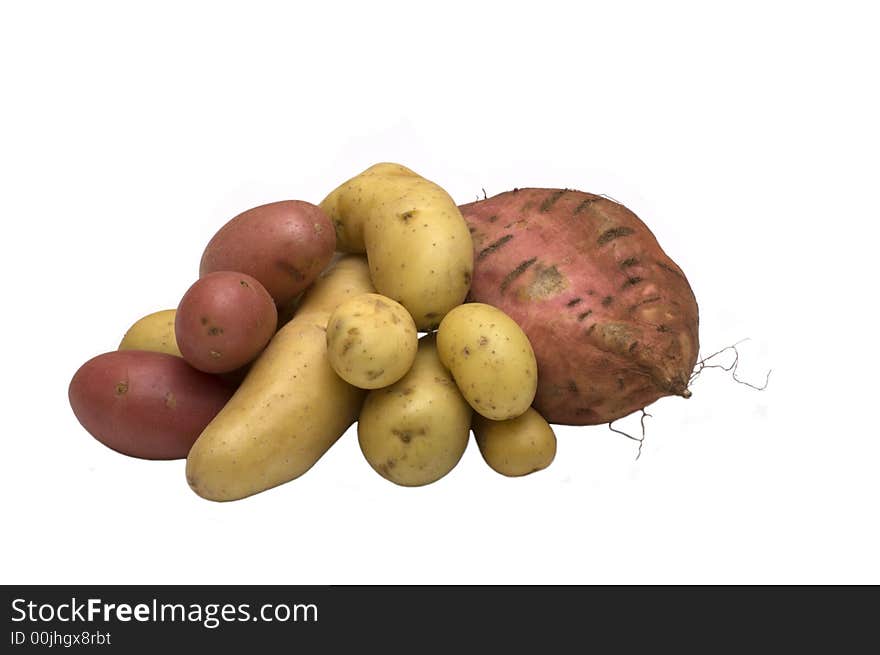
(307, 318)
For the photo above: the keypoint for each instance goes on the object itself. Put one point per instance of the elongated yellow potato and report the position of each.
(290, 408)
(415, 431)
(490, 358)
(414, 235)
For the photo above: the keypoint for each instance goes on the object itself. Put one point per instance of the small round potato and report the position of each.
(490, 358)
(223, 321)
(517, 446)
(415, 431)
(371, 341)
(154, 332)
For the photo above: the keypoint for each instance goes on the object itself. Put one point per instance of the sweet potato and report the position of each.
(612, 319)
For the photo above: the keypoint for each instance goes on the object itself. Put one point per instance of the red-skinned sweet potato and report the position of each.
(612, 319)
(145, 404)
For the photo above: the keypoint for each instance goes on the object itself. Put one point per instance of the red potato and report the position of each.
(285, 245)
(145, 404)
(611, 318)
(224, 321)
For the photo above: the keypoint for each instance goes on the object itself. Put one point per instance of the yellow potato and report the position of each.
(490, 358)
(415, 431)
(371, 341)
(289, 409)
(416, 240)
(517, 446)
(154, 332)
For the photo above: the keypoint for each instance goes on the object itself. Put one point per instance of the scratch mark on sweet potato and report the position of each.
(492, 247)
(515, 273)
(670, 269)
(584, 205)
(614, 233)
(646, 301)
(552, 199)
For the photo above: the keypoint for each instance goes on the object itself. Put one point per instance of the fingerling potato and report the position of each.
(290, 409)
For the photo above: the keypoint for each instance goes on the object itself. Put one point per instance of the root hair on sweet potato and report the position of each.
(641, 439)
(704, 362)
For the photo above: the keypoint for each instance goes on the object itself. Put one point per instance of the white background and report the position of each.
(745, 136)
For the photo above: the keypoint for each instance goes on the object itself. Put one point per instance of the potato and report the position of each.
(290, 408)
(416, 240)
(517, 446)
(613, 320)
(490, 358)
(223, 321)
(285, 245)
(371, 341)
(145, 404)
(153, 332)
(415, 431)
